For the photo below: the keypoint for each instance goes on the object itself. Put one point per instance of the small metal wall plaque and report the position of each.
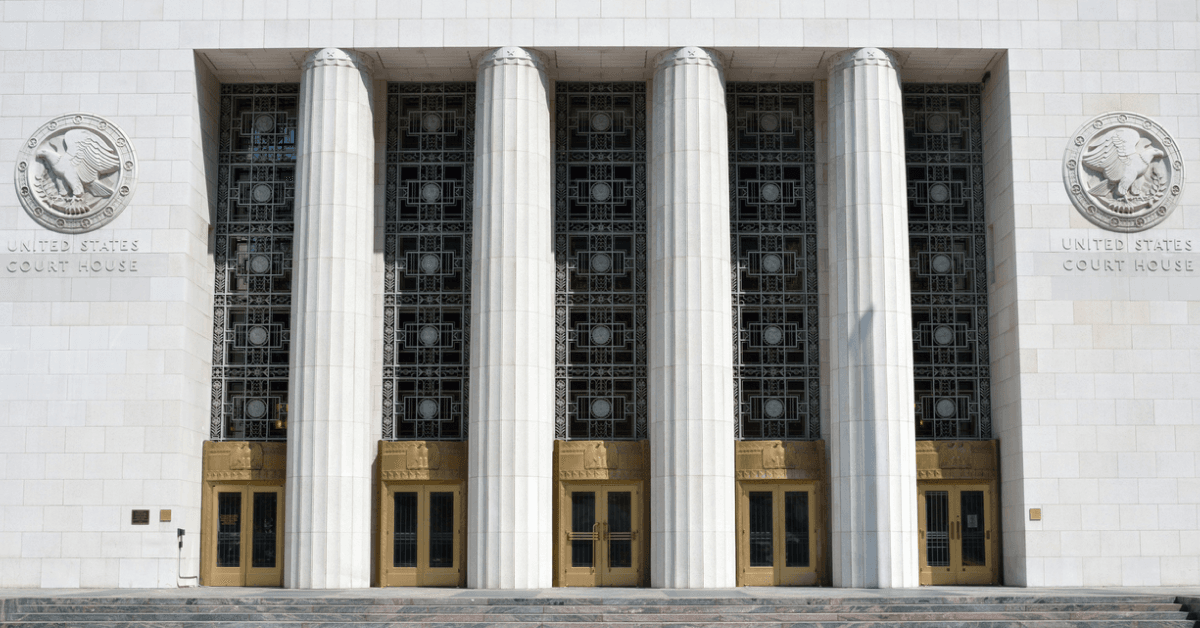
(1035, 514)
(164, 515)
(140, 518)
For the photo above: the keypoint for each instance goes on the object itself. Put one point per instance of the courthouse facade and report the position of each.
(533, 293)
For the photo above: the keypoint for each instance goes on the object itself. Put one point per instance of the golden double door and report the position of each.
(778, 537)
(424, 534)
(958, 524)
(245, 534)
(600, 544)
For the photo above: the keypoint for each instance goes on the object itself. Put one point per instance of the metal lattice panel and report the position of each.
(773, 216)
(948, 260)
(600, 250)
(253, 258)
(427, 275)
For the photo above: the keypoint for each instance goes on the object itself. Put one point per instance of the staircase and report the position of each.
(909, 610)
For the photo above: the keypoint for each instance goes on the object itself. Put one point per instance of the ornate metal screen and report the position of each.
(773, 216)
(600, 249)
(253, 258)
(947, 238)
(427, 274)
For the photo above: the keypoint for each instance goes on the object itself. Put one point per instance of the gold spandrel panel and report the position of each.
(422, 460)
(226, 461)
(958, 460)
(602, 460)
(780, 460)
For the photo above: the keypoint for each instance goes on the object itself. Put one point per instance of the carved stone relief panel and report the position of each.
(1123, 172)
(76, 173)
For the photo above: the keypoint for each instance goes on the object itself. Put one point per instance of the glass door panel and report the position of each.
(762, 529)
(776, 534)
(266, 542)
(583, 530)
(229, 529)
(425, 525)
(441, 530)
(404, 532)
(974, 552)
(933, 512)
(795, 513)
(620, 530)
(600, 545)
(619, 556)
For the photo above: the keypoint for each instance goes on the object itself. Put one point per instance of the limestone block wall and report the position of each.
(104, 373)
(1107, 372)
(104, 378)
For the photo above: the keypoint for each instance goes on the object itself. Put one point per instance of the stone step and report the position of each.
(658, 624)
(922, 611)
(458, 599)
(717, 616)
(573, 604)
(599, 615)
(607, 609)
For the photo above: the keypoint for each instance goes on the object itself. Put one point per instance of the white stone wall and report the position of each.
(104, 376)
(1107, 369)
(104, 380)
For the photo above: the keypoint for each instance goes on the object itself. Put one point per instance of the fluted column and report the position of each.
(327, 527)
(871, 437)
(691, 318)
(512, 320)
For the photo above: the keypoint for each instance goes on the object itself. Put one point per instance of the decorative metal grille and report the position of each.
(948, 260)
(427, 252)
(773, 216)
(253, 259)
(600, 249)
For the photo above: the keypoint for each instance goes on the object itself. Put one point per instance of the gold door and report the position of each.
(957, 524)
(778, 535)
(600, 545)
(423, 545)
(247, 522)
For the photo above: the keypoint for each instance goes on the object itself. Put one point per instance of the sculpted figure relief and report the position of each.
(76, 173)
(1123, 172)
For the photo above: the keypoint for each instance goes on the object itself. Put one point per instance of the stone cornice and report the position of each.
(690, 55)
(338, 57)
(512, 55)
(863, 56)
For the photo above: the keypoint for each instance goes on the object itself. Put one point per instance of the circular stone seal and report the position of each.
(76, 173)
(1123, 172)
